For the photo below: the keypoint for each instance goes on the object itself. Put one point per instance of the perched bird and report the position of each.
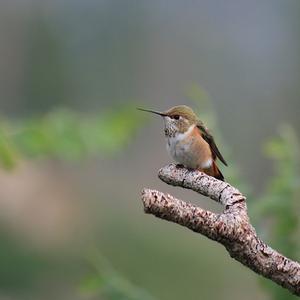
(189, 141)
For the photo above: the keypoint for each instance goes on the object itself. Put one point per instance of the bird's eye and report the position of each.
(176, 117)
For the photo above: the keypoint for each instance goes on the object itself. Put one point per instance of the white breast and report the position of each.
(179, 151)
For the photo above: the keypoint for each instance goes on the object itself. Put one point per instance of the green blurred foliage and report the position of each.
(107, 283)
(67, 135)
(8, 153)
(70, 136)
(276, 211)
(20, 267)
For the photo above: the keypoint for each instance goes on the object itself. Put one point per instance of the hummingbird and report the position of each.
(189, 141)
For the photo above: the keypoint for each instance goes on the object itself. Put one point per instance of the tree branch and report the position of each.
(231, 228)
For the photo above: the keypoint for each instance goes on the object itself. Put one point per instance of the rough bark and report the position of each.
(231, 228)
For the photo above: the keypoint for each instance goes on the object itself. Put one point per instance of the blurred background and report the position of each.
(75, 153)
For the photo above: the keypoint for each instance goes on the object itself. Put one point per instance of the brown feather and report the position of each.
(210, 140)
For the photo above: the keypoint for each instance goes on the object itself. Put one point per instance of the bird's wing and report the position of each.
(210, 140)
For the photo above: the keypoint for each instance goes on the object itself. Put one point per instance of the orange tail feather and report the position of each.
(214, 171)
(217, 173)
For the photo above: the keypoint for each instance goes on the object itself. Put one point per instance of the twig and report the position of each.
(231, 228)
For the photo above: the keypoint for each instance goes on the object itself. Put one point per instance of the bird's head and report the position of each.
(178, 119)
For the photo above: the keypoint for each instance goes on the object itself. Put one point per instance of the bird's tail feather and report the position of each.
(217, 173)
(214, 171)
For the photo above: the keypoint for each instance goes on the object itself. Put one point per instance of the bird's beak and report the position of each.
(153, 112)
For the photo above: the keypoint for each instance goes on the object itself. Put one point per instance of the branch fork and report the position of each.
(231, 228)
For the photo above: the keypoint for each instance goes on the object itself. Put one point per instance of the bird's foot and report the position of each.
(179, 166)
